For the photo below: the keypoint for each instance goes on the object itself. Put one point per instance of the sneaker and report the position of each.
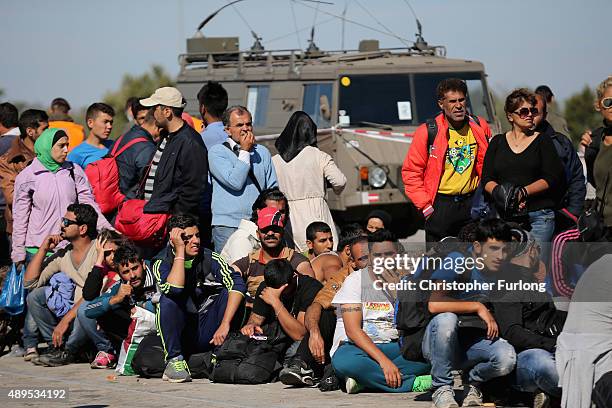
(352, 386)
(541, 400)
(329, 382)
(57, 358)
(297, 373)
(17, 351)
(30, 353)
(444, 397)
(176, 371)
(36, 359)
(103, 360)
(473, 397)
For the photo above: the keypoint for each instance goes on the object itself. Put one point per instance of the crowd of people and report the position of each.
(177, 252)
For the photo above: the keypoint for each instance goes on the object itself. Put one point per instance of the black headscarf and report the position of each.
(299, 132)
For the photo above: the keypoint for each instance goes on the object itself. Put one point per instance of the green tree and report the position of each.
(139, 86)
(580, 113)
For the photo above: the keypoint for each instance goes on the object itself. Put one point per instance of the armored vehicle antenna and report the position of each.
(257, 46)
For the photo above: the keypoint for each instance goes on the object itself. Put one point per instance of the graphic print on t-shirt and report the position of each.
(461, 156)
(459, 176)
(378, 321)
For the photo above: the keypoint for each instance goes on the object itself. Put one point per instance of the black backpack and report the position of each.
(244, 360)
(432, 130)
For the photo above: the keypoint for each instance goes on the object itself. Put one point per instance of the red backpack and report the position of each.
(103, 176)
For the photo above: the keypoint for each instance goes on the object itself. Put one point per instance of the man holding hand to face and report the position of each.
(241, 169)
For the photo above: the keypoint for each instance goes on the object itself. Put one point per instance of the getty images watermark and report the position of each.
(409, 265)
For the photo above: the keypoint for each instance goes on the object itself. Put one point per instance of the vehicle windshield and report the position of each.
(390, 99)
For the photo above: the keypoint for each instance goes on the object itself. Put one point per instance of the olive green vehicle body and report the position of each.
(366, 104)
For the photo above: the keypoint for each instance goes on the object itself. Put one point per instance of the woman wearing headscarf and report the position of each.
(43, 191)
(302, 169)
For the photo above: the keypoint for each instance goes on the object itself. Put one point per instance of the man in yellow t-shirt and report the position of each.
(459, 176)
(441, 172)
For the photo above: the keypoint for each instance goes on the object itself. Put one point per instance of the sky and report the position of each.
(81, 49)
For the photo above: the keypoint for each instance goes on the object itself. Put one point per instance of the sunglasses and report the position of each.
(525, 112)
(272, 228)
(606, 103)
(66, 222)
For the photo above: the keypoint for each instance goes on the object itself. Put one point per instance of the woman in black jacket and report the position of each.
(598, 152)
(524, 164)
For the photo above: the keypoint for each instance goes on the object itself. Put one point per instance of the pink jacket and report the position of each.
(40, 201)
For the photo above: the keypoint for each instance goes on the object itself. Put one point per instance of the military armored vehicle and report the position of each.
(365, 102)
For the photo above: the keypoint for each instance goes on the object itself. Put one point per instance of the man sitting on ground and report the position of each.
(320, 242)
(320, 322)
(284, 295)
(369, 355)
(245, 239)
(447, 343)
(76, 260)
(114, 310)
(270, 231)
(530, 322)
(200, 297)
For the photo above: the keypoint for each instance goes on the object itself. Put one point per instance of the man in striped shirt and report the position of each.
(200, 295)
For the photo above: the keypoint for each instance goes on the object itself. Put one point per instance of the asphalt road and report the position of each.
(85, 387)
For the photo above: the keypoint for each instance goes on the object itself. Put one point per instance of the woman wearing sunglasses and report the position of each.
(598, 152)
(525, 163)
(43, 191)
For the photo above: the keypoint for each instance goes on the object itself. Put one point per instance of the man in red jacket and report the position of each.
(441, 175)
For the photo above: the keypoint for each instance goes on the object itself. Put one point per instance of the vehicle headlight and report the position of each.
(377, 177)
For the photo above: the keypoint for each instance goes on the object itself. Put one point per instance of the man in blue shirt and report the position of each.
(99, 118)
(241, 170)
(213, 102)
(462, 333)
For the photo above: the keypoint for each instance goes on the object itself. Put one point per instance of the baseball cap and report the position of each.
(270, 217)
(167, 96)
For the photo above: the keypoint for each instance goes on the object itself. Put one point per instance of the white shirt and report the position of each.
(243, 155)
(378, 313)
(13, 132)
(242, 242)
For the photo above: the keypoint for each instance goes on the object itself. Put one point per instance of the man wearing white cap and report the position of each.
(177, 175)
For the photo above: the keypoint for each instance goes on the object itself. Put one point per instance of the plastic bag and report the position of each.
(12, 298)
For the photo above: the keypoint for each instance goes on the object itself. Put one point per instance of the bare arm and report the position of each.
(315, 341)
(352, 316)
(34, 269)
(312, 318)
(253, 325)
(537, 187)
(294, 327)
(440, 302)
(176, 277)
(306, 269)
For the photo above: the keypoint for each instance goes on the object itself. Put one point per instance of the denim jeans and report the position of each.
(351, 361)
(30, 331)
(447, 349)
(90, 327)
(542, 230)
(46, 321)
(542, 225)
(536, 370)
(220, 235)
